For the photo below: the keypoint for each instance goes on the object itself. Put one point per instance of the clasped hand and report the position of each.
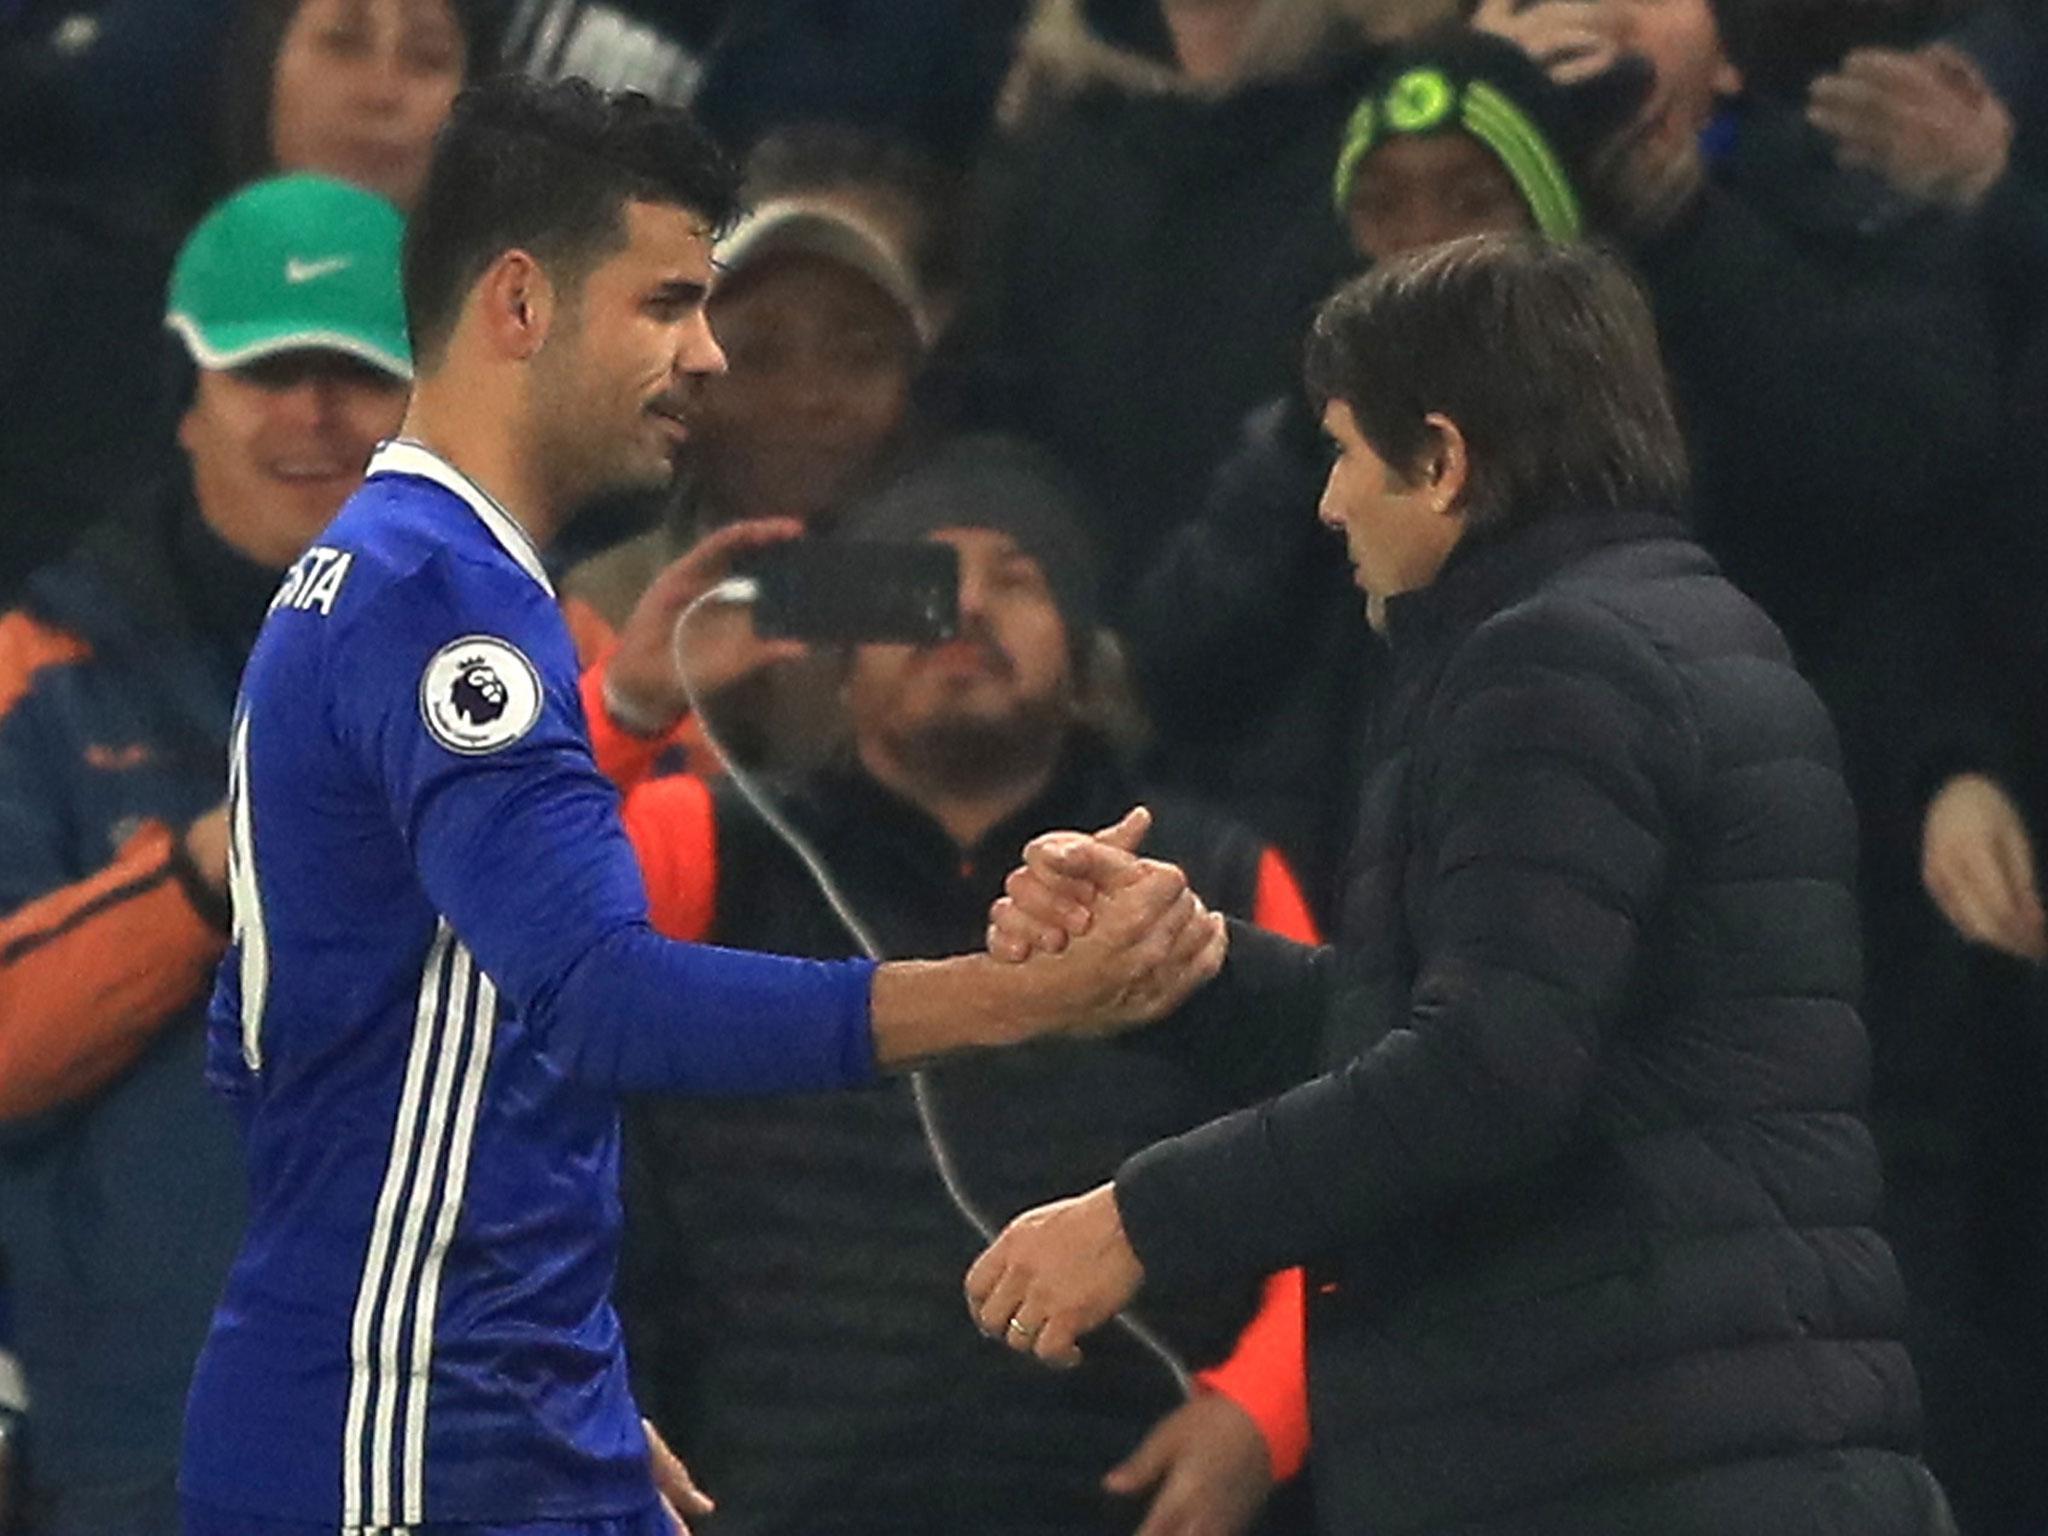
(1124, 938)
(1063, 1269)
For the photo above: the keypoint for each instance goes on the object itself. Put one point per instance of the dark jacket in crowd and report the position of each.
(120, 1176)
(1586, 1195)
(1252, 652)
(1832, 359)
(927, 70)
(82, 367)
(1151, 256)
(793, 1270)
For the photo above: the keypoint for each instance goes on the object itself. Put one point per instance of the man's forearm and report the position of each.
(926, 1008)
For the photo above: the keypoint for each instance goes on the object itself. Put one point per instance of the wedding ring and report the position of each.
(1021, 1331)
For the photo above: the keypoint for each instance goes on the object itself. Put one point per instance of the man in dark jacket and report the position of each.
(790, 1291)
(120, 1177)
(1585, 1196)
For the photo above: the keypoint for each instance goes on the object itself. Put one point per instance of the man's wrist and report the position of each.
(921, 1009)
(630, 714)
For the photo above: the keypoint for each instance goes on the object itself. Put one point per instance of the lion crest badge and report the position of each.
(479, 694)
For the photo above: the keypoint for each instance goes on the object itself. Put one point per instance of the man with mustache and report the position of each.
(752, 1226)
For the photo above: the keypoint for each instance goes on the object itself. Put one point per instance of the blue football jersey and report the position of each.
(441, 979)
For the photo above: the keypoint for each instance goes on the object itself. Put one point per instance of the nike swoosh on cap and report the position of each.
(297, 271)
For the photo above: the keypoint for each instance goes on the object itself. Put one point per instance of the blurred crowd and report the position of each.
(1033, 278)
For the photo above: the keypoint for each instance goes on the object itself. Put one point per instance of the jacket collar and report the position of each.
(1487, 574)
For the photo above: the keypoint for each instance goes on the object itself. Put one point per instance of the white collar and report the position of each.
(403, 456)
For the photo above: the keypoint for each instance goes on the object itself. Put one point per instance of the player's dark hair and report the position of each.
(547, 169)
(1543, 354)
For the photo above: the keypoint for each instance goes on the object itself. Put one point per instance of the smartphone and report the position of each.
(855, 592)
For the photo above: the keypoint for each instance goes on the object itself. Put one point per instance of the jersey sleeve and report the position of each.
(455, 689)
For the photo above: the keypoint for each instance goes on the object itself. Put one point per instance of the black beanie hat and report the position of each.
(986, 480)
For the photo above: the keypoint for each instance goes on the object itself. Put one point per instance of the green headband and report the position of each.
(1424, 101)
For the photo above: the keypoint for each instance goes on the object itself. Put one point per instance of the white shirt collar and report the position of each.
(403, 456)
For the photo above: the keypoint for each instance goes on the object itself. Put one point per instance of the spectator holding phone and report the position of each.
(751, 1226)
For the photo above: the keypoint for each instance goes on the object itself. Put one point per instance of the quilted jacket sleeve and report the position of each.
(1558, 747)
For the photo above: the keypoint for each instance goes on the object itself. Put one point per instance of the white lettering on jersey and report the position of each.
(314, 581)
(479, 694)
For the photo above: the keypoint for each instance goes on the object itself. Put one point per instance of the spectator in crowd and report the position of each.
(350, 88)
(1245, 634)
(787, 1251)
(120, 1177)
(886, 180)
(1154, 236)
(1832, 363)
(1960, 127)
(354, 89)
(823, 323)
(1585, 1198)
(1967, 1160)
(823, 326)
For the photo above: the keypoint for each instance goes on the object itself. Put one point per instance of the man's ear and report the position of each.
(514, 304)
(1447, 463)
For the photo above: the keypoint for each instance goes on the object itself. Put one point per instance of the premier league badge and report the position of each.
(479, 694)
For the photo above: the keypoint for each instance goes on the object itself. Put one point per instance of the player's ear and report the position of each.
(515, 304)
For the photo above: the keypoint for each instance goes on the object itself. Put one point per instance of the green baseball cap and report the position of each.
(293, 264)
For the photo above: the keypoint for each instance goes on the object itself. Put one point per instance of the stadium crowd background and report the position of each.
(1101, 226)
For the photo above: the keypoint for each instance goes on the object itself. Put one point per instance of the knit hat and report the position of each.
(986, 480)
(1478, 84)
(293, 264)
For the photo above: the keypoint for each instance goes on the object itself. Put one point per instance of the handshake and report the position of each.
(1125, 942)
(1106, 940)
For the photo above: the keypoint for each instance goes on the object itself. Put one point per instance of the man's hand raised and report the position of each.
(642, 677)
